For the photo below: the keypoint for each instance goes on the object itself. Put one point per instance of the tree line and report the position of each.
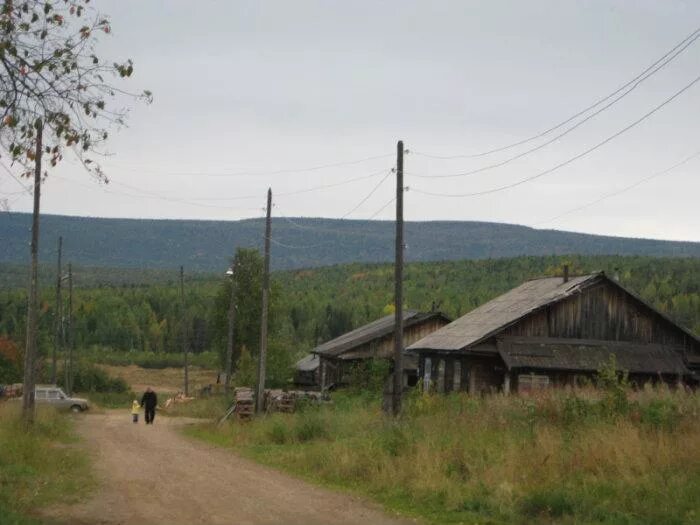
(311, 306)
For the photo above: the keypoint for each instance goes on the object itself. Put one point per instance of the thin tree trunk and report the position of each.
(30, 352)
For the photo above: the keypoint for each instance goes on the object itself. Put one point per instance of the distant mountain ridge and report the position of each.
(206, 246)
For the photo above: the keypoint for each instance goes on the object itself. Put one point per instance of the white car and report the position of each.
(56, 397)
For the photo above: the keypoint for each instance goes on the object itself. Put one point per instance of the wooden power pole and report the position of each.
(183, 321)
(57, 340)
(398, 286)
(231, 330)
(260, 395)
(71, 341)
(30, 353)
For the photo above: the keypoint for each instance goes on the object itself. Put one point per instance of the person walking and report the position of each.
(149, 402)
(135, 409)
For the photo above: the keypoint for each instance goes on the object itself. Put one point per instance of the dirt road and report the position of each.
(152, 475)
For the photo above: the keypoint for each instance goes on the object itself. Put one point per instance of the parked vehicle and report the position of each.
(56, 397)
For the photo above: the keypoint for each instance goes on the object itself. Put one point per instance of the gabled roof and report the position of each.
(308, 363)
(567, 354)
(375, 330)
(500, 312)
(503, 311)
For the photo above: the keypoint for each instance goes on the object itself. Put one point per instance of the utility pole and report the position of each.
(185, 346)
(231, 328)
(69, 372)
(398, 286)
(260, 397)
(30, 354)
(57, 340)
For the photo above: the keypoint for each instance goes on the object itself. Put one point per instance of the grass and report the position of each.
(40, 466)
(212, 407)
(163, 380)
(561, 457)
(151, 360)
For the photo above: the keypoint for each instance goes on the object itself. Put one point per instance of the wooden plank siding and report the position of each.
(602, 311)
(606, 313)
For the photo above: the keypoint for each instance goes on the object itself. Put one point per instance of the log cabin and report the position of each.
(338, 357)
(557, 331)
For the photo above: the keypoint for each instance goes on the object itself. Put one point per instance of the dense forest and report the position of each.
(310, 306)
(206, 246)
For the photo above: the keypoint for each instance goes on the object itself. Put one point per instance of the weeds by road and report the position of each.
(564, 457)
(38, 467)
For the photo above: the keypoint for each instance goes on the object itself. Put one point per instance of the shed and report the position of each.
(553, 331)
(339, 356)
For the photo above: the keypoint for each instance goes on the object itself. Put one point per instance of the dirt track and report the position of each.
(152, 475)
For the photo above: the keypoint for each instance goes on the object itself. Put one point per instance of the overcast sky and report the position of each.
(245, 89)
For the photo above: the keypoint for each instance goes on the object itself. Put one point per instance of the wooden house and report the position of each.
(553, 332)
(338, 357)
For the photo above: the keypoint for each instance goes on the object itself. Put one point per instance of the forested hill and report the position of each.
(206, 246)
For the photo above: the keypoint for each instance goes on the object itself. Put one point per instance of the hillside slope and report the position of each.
(298, 243)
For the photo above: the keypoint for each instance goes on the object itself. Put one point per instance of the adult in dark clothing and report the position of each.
(149, 402)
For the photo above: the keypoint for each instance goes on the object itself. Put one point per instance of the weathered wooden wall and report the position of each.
(603, 312)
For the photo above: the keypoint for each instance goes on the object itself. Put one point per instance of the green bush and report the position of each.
(660, 414)
(553, 503)
(310, 426)
(90, 378)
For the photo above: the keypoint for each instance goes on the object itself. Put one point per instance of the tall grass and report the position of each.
(107, 356)
(39, 466)
(565, 457)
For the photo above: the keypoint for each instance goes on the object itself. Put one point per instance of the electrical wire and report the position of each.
(368, 195)
(565, 132)
(27, 189)
(254, 173)
(597, 103)
(257, 196)
(380, 210)
(622, 190)
(568, 161)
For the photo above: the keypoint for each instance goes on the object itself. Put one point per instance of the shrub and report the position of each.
(309, 426)
(90, 378)
(553, 503)
(660, 414)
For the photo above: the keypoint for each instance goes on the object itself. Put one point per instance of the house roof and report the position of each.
(505, 310)
(371, 331)
(524, 353)
(308, 363)
(500, 312)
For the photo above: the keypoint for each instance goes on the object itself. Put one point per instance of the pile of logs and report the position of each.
(180, 397)
(286, 401)
(244, 403)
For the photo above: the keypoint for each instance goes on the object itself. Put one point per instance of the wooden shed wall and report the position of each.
(603, 312)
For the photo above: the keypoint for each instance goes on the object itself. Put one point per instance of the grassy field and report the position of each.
(39, 467)
(612, 457)
(164, 381)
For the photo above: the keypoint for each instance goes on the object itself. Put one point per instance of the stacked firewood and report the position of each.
(287, 401)
(244, 403)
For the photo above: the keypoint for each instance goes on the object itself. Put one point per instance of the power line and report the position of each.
(691, 37)
(257, 196)
(27, 189)
(570, 160)
(565, 132)
(622, 190)
(152, 196)
(380, 210)
(368, 195)
(254, 173)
